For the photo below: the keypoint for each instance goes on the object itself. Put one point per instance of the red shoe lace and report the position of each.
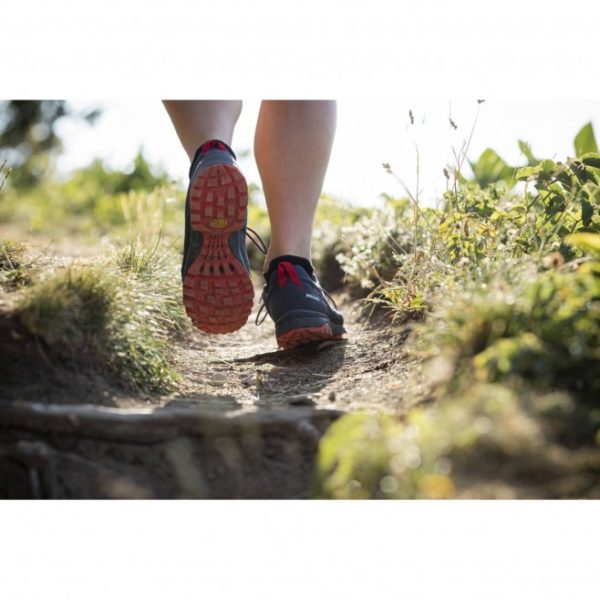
(284, 268)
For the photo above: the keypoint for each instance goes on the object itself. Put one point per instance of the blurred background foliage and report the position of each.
(28, 138)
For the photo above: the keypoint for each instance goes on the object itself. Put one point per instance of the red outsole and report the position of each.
(217, 290)
(306, 335)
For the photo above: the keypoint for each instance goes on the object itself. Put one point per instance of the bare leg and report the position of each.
(197, 121)
(292, 146)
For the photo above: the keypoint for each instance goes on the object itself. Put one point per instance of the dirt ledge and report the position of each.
(66, 451)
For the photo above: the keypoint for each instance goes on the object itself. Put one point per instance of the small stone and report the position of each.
(308, 432)
(301, 400)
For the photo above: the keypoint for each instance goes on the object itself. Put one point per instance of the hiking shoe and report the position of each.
(217, 289)
(298, 305)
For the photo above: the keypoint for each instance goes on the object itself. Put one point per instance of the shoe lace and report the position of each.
(284, 269)
(255, 238)
(263, 309)
(328, 295)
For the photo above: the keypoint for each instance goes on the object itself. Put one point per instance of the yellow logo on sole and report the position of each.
(218, 223)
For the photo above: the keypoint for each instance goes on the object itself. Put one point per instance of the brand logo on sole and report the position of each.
(218, 223)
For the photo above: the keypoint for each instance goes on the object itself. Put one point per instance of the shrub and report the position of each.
(511, 278)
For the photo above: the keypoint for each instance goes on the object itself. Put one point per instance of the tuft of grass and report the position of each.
(15, 268)
(119, 318)
(136, 258)
(11, 255)
(70, 310)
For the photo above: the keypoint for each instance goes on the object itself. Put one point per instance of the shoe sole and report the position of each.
(217, 290)
(306, 335)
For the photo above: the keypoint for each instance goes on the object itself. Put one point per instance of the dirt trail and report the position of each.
(244, 372)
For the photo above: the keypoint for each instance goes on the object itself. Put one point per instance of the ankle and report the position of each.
(289, 258)
(288, 255)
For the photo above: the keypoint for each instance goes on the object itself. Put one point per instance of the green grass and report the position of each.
(15, 268)
(141, 261)
(118, 316)
(11, 255)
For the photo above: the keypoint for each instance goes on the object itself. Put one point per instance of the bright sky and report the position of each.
(369, 133)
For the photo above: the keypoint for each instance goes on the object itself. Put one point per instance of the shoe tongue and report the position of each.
(295, 260)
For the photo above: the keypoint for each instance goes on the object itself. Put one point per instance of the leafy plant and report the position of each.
(487, 440)
(510, 278)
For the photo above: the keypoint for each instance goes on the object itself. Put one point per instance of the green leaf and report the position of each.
(526, 172)
(591, 159)
(585, 141)
(554, 205)
(566, 178)
(587, 212)
(526, 150)
(584, 172)
(587, 241)
(545, 167)
(491, 168)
